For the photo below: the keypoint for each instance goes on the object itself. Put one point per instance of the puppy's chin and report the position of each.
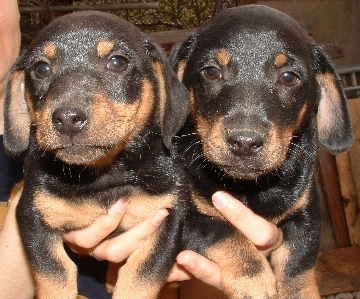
(248, 174)
(85, 155)
(245, 169)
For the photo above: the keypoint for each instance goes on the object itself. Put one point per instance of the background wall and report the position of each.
(335, 24)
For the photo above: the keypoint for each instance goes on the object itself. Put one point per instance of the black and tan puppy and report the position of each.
(262, 96)
(96, 105)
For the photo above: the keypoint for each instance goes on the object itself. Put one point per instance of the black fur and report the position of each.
(254, 74)
(78, 165)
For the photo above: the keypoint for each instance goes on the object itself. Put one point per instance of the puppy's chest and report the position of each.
(67, 197)
(65, 213)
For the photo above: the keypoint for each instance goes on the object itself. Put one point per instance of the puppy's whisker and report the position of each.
(191, 145)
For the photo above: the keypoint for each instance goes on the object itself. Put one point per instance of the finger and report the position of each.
(99, 230)
(200, 267)
(178, 273)
(264, 234)
(121, 247)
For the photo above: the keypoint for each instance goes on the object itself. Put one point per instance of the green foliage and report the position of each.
(171, 15)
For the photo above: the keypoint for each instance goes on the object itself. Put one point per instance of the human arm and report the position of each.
(16, 281)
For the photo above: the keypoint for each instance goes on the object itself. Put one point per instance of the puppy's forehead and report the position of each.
(80, 33)
(246, 49)
(253, 32)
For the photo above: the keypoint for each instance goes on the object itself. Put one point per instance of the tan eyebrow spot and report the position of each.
(223, 57)
(49, 50)
(104, 47)
(281, 59)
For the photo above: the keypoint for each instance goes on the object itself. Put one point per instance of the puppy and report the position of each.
(263, 96)
(96, 104)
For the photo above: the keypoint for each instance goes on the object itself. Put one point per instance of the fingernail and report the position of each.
(189, 264)
(120, 205)
(220, 200)
(159, 216)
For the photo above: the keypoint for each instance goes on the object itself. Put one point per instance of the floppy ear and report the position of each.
(16, 113)
(174, 97)
(180, 54)
(333, 118)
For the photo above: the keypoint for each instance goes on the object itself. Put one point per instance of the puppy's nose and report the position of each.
(69, 121)
(245, 143)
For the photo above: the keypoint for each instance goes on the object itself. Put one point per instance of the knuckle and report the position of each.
(108, 225)
(266, 237)
(112, 254)
(81, 241)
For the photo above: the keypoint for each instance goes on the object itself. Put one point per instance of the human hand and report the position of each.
(92, 240)
(264, 234)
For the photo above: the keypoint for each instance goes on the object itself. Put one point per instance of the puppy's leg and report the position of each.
(245, 273)
(61, 285)
(146, 270)
(296, 286)
(54, 272)
(294, 260)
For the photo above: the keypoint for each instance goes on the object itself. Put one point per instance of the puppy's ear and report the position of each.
(16, 112)
(333, 118)
(180, 55)
(174, 97)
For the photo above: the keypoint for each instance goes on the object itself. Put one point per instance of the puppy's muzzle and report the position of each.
(69, 121)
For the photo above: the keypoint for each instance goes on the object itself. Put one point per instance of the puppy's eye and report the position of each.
(288, 79)
(42, 70)
(117, 64)
(212, 73)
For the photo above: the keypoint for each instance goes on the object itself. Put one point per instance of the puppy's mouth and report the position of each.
(85, 155)
(245, 167)
(245, 172)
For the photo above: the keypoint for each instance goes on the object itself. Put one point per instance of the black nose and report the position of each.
(69, 121)
(245, 143)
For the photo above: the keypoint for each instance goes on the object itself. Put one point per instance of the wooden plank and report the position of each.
(4, 206)
(338, 270)
(167, 39)
(3, 211)
(67, 8)
(349, 195)
(330, 183)
(349, 175)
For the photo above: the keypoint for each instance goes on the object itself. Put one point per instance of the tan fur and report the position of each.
(301, 115)
(104, 48)
(275, 149)
(143, 205)
(111, 123)
(192, 101)
(304, 285)
(181, 69)
(234, 282)
(49, 50)
(126, 285)
(46, 287)
(329, 104)
(19, 106)
(281, 60)
(162, 90)
(59, 212)
(205, 208)
(223, 57)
